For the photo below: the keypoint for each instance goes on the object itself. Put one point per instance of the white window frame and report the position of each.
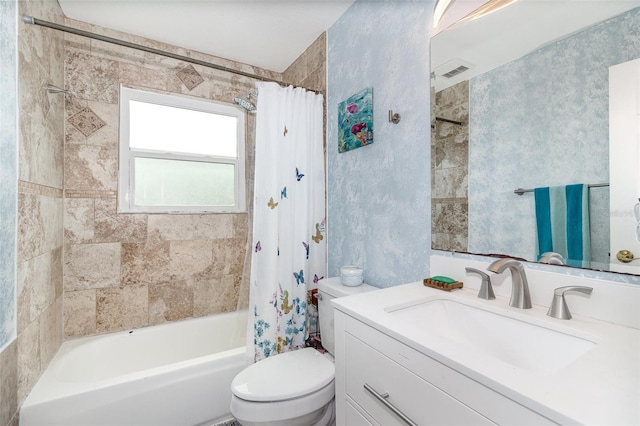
(126, 173)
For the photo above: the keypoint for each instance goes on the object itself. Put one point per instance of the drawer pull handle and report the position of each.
(383, 399)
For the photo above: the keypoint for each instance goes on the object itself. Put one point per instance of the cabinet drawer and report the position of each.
(353, 417)
(420, 401)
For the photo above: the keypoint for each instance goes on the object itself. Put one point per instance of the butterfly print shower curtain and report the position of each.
(289, 247)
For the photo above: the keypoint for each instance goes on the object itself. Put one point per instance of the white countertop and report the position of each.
(600, 387)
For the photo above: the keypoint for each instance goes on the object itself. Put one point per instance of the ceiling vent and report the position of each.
(455, 72)
(453, 68)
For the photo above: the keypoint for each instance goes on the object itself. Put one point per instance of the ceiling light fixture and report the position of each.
(441, 7)
(487, 8)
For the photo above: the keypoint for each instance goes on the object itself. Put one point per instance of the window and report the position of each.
(179, 154)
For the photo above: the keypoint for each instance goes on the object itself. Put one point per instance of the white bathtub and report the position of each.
(172, 374)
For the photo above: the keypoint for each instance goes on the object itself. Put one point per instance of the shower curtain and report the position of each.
(289, 247)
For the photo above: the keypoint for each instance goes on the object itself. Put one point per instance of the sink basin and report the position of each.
(517, 342)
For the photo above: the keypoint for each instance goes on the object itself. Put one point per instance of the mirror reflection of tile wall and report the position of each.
(449, 179)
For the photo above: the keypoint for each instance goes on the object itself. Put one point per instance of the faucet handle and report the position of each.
(486, 289)
(559, 308)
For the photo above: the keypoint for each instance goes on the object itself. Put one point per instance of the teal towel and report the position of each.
(562, 219)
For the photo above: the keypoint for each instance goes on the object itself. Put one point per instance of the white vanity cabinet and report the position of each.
(418, 387)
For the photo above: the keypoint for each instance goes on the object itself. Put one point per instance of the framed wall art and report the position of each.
(355, 121)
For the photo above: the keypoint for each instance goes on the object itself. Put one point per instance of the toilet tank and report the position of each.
(328, 289)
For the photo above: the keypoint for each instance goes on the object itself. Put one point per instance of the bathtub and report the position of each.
(172, 374)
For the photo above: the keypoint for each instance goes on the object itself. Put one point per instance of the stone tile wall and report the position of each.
(449, 171)
(39, 222)
(310, 69)
(131, 270)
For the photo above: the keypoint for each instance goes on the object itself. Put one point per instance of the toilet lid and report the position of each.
(284, 376)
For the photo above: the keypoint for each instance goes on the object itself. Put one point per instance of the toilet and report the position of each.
(297, 387)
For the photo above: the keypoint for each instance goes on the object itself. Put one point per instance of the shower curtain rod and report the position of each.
(521, 191)
(34, 21)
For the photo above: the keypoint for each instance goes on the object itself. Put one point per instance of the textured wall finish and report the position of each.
(8, 211)
(557, 137)
(378, 195)
(8, 170)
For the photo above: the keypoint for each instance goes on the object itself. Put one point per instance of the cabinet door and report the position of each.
(483, 400)
(421, 402)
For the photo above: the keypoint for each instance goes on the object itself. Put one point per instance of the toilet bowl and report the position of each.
(294, 388)
(291, 388)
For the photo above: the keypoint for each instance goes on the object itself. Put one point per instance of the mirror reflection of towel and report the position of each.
(562, 219)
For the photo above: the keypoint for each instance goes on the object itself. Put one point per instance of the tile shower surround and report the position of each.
(131, 270)
(39, 210)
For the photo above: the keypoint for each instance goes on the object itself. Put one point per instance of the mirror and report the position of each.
(522, 101)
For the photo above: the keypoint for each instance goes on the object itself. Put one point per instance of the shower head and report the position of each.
(245, 103)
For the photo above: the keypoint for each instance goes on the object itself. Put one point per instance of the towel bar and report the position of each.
(521, 191)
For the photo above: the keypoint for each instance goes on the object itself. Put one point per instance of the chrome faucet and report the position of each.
(520, 297)
(559, 308)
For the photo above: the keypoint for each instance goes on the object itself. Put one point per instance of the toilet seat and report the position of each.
(290, 375)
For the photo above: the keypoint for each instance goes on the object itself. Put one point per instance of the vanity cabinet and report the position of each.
(426, 391)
